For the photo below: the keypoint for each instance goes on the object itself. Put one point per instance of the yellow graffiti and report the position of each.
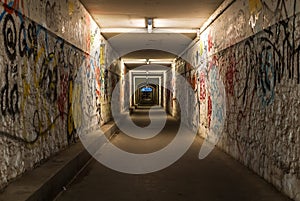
(76, 106)
(71, 7)
(36, 82)
(70, 112)
(201, 48)
(26, 92)
(102, 54)
(255, 6)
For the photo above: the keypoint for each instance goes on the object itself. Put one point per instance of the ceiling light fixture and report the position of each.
(134, 61)
(143, 30)
(148, 61)
(150, 25)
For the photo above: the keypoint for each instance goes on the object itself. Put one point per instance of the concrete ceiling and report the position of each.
(188, 14)
(166, 13)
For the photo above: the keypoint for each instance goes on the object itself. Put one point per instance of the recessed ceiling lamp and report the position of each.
(149, 29)
(154, 30)
(150, 25)
(148, 61)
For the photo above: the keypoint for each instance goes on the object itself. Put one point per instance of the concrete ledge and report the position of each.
(46, 181)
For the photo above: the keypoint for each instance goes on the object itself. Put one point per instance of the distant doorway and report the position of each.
(148, 95)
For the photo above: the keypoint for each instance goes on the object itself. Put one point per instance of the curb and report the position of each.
(47, 181)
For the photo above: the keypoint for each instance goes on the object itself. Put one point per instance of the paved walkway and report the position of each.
(215, 178)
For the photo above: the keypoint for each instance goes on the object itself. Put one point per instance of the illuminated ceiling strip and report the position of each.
(150, 61)
(134, 61)
(161, 62)
(145, 30)
(150, 72)
(150, 25)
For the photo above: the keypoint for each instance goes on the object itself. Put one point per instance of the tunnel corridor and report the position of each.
(218, 177)
(150, 100)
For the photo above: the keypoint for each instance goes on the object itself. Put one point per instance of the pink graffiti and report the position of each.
(210, 42)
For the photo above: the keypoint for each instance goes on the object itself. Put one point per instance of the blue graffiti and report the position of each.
(266, 77)
(218, 101)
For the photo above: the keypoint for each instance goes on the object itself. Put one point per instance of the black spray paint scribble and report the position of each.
(22, 40)
(25, 47)
(270, 58)
(49, 78)
(9, 96)
(10, 37)
(27, 40)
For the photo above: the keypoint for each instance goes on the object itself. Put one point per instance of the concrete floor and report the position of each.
(215, 178)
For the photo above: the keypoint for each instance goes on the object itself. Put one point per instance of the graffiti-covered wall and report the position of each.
(54, 80)
(246, 67)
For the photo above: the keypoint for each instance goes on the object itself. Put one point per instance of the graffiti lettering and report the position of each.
(10, 37)
(9, 97)
(49, 79)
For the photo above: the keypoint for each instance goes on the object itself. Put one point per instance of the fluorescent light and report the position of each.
(146, 30)
(123, 30)
(134, 61)
(149, 71)
(148, 61)
(174, 30)
(161, 62)
(150, 25)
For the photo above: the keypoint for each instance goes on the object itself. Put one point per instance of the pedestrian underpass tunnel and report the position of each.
(198, 96)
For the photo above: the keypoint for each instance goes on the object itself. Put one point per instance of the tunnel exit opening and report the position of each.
(148, 95)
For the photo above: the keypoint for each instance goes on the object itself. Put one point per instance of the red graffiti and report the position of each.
(230, 80)
(193, 81)
(188, 67)
(188, 77)
(98, 81)
(209, 111)
(202, 87)
(15, 7)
